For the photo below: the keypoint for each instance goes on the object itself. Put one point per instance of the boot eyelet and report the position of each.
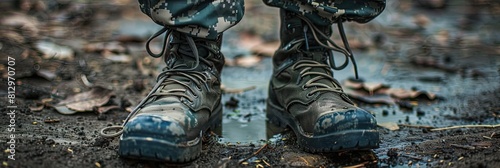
(198, 88)
(308, 95)
(304, 87)
(186, 101)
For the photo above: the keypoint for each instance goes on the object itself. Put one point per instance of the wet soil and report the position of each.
(456, 57)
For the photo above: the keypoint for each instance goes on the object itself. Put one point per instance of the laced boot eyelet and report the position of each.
(186, 101)
(198, 88)
(309, 95)
(304, 87)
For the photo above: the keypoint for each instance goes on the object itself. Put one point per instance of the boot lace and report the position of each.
(307, 65)
(167, 77)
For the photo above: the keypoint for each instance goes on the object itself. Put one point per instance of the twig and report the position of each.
(358, 165)
(86, 81)
(254, 154)
(228, 90)
(463, 146)
(411, 157)
(266, 162)
(465, 126)
(416, 126)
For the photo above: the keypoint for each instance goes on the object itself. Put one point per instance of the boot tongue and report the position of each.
(182, 55)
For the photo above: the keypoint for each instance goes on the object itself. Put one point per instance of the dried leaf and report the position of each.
(389, 125)
(85, 101)
(118, 58)
(46, 74)
(64, 110)
(301, 159)
(248, 40)
(370, 87)
(105, 109)
(247, 61)
(12, 36)
(421, 20)
(51, 50)
(27, 24)
(38, 107)
(410, 94)
(353, 84)
(115, 47)
(372, 99)
(266, 49)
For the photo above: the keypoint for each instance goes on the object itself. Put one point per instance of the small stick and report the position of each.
(466, 126)
(463, 146)
(358, 165)
(411, 157)
(416, 126)
(86, 81)
(254, 154)
(228, 90)
(266, 162)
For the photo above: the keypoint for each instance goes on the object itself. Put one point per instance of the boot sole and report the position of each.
(353, 139)
(154, 149)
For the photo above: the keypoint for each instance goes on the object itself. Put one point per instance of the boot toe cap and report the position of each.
(155, 127)
(340, 121)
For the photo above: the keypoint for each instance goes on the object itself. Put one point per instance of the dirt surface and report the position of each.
(66, 48)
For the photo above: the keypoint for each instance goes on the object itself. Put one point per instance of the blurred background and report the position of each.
(423, 62)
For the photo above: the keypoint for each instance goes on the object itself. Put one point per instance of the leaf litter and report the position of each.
(97, 97)
(379, 93)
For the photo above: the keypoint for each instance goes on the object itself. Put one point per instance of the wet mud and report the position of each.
(415, 47)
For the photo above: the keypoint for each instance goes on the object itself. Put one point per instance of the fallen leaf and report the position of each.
(389, 125)
(118, 58)
(379, 93)
(64, 110)
(421, 20)
(38, 107)
(52, 50)
(372, 99)
(265, 49)
(105, 109)
(46, 74)
(247, 61)
(370, 87)
(410, 94)
(86, 101)
(115, 47)
(26, 23)
(12, 36)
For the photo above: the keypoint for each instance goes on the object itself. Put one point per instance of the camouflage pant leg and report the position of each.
(199, 18)
(327, 12)
(208, 18)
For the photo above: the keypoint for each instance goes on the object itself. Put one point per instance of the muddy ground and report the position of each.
(445, 59)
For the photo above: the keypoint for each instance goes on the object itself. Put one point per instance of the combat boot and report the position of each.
(168, 125)
(304, 95)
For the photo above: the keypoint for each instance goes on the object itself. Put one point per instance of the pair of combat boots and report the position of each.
(168, 125)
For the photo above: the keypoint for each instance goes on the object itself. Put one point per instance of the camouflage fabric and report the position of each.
(208, 18)
(327, 12)
(198, 18)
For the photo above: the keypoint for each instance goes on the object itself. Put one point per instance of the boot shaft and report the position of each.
(296, 35)
(181, 53)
